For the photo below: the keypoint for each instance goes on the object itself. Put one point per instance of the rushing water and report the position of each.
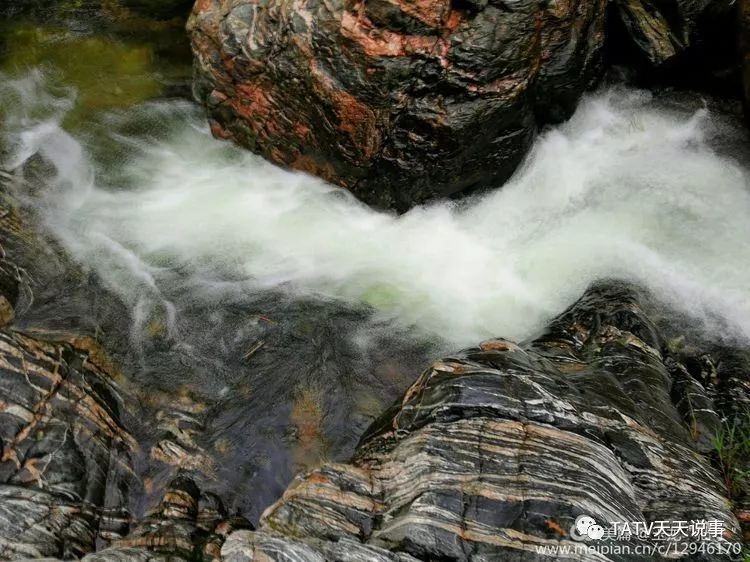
(286, 315)
(625, 189)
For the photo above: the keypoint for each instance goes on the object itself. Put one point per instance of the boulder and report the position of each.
(68, 466)
(494, 452)
(399, 101)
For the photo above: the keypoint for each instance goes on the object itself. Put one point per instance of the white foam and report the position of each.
(624, 189)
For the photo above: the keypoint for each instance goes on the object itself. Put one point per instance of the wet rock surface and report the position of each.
(664, 30)
(65, 464)
(399, 102)
(495, 451)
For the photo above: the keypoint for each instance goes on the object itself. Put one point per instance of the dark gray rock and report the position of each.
(186, 525)
(494, 451)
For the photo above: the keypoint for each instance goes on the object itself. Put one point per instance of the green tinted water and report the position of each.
(110, 58)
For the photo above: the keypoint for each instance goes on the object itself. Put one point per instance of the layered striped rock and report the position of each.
(494, 452)
(65, 465)
(65, 459)
(71, 463)
(399, 101)
(186, 525)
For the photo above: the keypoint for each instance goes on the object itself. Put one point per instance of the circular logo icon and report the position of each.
(595, 532)
(585, 527)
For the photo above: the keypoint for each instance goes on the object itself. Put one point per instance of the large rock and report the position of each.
(494, 451)
(398, 101)
(65, 465)
(68, 467)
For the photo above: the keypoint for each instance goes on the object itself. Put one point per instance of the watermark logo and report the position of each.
(584, 528)
(670, 539)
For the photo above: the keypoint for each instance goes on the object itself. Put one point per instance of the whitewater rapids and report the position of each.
(627, 188)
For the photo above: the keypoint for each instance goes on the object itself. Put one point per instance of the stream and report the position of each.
(285, 314)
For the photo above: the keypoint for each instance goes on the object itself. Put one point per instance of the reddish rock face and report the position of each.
(399, 101)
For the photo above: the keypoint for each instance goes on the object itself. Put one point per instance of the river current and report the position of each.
(287, 308)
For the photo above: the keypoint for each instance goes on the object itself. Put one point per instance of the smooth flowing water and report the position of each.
(625, 189)
(280, 299)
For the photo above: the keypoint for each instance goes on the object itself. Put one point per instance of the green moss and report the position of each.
(107, 73)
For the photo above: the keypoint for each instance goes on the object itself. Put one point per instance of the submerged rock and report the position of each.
(399, 102)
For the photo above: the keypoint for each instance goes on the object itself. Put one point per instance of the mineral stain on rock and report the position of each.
(398, 102)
